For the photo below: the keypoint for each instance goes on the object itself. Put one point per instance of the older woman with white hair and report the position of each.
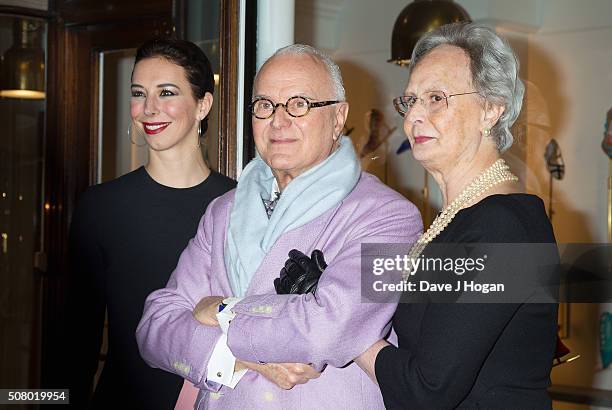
(305, 191)
(463, 94)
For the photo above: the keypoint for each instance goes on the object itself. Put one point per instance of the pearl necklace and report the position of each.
(497, 173)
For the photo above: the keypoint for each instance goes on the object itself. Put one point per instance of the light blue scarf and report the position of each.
(251, 234)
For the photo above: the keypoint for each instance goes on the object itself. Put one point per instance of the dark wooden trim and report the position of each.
(94, 137)
(56, 187)
(86, 12)
(15, 11)
(228, 40)
(250, 67)
(179, 10)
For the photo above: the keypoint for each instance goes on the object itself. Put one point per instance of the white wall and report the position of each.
(574, 72)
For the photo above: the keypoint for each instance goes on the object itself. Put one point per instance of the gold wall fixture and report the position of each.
(23, 65)
(418, 18)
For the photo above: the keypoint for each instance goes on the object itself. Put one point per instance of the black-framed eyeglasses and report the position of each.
(263, 108)
(433, 101)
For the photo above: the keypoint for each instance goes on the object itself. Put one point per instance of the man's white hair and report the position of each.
(332, 68)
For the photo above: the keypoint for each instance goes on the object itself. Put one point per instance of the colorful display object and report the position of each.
(405, 146)
(605, 339)
(606, 144)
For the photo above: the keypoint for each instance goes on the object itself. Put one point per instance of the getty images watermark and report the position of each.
(486, 273)
(422, 264)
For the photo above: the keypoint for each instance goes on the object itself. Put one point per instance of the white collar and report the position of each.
(275, 191)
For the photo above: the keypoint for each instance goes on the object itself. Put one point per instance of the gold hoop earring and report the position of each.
(132, 141)
(199, 134)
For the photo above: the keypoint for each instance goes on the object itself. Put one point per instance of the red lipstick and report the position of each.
(154, 127)
(421, 139)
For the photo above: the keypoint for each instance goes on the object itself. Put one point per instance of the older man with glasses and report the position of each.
(219, 322)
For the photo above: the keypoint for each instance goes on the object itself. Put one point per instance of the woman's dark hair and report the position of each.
(187, 55)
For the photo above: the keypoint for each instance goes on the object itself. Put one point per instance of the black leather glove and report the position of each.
(301, 274)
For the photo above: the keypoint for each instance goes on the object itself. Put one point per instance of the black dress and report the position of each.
(125, 240)
(489, 356)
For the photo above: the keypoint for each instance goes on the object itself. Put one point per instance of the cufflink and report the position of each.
(222, 306)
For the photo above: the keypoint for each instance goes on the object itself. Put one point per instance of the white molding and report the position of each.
(318, 8)
(509, 26)
(275, 27)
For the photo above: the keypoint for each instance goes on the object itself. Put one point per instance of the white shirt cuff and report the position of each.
(221, 365)
(226, 315)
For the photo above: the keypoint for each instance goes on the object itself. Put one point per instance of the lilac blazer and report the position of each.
(328, 330)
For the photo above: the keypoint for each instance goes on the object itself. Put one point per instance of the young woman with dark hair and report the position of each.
(127, 234)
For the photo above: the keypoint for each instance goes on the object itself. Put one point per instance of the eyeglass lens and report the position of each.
(433, 101)
(295, 106)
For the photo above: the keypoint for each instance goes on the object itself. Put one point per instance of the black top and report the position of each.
(125, 240)
(490, 356)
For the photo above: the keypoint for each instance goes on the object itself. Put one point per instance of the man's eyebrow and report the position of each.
(304, 95)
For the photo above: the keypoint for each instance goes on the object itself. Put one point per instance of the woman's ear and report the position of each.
(204, 106)
(492, 113)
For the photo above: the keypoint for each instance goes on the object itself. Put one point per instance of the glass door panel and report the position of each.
(118, 153)
(202, 27)
(22, 115)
